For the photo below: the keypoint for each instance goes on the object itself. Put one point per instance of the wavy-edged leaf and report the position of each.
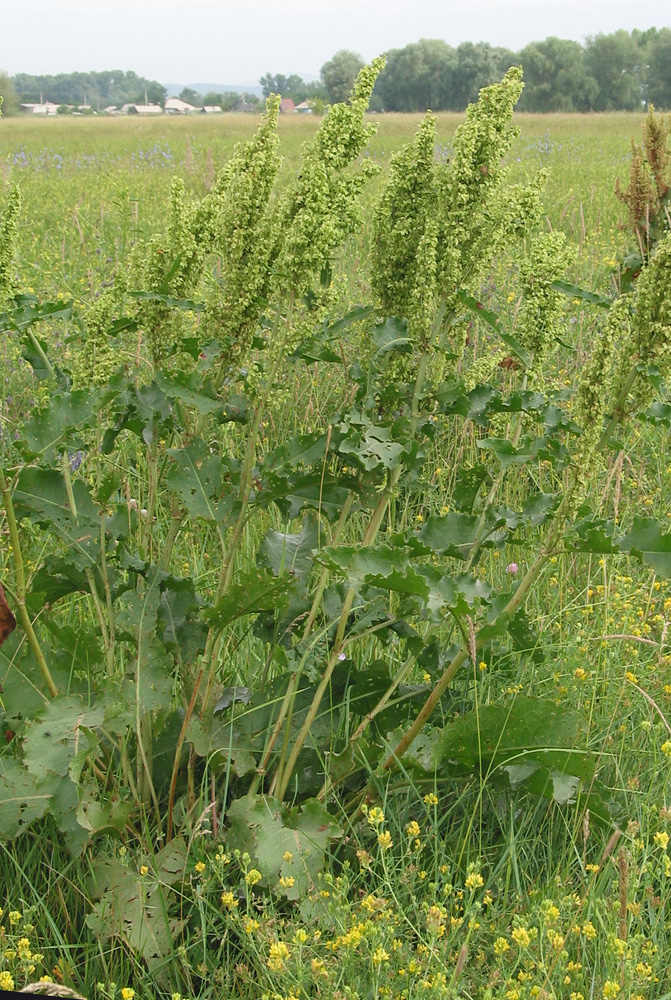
(255, 591)
(576, 292)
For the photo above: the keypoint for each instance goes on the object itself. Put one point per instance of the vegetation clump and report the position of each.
(315, 596)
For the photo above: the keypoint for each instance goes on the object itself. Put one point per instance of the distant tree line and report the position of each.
(620, 71)
(95, 89)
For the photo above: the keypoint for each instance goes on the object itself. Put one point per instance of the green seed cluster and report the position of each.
(236, 223)
(542, 309)
(438, 226)
(9, 230)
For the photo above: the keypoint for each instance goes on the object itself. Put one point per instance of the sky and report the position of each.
(236, 41)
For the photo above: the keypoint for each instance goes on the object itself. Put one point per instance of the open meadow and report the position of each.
(337, 541)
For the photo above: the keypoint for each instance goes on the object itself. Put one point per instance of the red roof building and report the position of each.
(287, 106)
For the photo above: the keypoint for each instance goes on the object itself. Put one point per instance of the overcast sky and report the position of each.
(235, 41)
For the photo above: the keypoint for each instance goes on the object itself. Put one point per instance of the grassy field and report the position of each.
(87, 182)
(434, 894)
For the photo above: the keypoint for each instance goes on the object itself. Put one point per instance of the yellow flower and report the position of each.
(431, 799)
(279, 953)
(380, 956)
(501, 946)
(287, 881)
(474, 880)
(301, 936)
(661, 839)
(610, 989)
(199, 867)
(589, 930)
(376, 816)
(521, 937)
(6, 981)
(317, 966)
(228, 899)
(631, 677)
(287, 856)
(666, 748)
(15, 917)
(253, 876)
(127, 993)
(482, 665)
(143, 870)
(384, 840)
(250, 925)
(412, 829)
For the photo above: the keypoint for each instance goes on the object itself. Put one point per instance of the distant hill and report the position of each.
(218, 88)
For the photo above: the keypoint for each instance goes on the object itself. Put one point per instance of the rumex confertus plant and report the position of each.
(117, 686)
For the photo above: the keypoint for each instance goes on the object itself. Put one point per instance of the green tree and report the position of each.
(339, 73)
(8, 98)
(478, 66)
(192, 96)
(555, 77)
(418, 77)
(615, 62)
(658, 87)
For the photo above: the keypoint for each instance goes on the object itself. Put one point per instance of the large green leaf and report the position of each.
(508, 734)
(255, 591)
(290, 553)
(63, 729)
(135, 911)
(576, 292)
(41, 495)
(67, 414)
(200, 479)
(531, 744)
(648, 542)
(264, 828)
(494, 321)
(21, 801)
(449, 534)
(392, 335)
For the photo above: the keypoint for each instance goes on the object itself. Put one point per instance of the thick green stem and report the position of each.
(20, 590)
(491, 496)
(88, 572)
(368, 539)
(618, 409)
(231, 550)
(176, 520)
(323, 576)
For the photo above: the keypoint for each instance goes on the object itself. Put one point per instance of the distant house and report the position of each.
(141, 109)
(287, 106)
(303, 108)
(111, 109)
(43, 108)
(174, 106)
(211, 109)
(245, 107)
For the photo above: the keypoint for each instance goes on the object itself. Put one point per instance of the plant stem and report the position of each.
(368, 539)
(323, 576)
(88, 572)
(20, 591)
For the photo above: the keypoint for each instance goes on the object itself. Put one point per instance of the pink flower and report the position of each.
(512, 568)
